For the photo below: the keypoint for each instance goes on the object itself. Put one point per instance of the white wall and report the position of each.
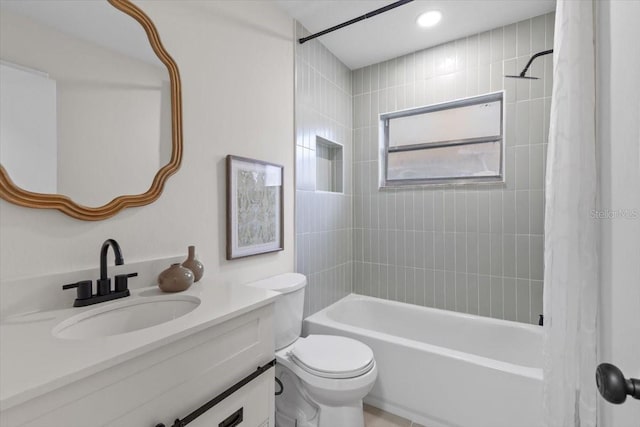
(28, 152)
(618, 122)
(236, 64)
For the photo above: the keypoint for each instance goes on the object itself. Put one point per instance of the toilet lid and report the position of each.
(331, 356)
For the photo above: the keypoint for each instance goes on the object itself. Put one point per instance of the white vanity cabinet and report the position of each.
(169, 382)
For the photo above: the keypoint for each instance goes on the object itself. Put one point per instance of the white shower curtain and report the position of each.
(571, 286)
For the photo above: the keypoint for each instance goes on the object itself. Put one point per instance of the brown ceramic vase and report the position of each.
(175, 279)
(193, 264)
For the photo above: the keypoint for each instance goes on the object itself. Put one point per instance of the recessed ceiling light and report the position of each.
(429, 19)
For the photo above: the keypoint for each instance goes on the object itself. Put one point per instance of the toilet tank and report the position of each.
(288, 307)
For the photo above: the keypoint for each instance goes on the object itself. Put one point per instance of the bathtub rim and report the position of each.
(322, 319)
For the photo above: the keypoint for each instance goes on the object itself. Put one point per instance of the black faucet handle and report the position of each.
(104, 286)
(85, 288)
(122, 281)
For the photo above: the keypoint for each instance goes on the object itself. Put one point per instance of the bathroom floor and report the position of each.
(374, 417)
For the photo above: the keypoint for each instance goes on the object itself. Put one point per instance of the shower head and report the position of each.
(526, 67)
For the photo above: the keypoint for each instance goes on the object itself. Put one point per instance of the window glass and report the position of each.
(473, 121)
(455, 161)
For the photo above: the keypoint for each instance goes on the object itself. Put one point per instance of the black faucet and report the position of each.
(104, 293)
(104, 283)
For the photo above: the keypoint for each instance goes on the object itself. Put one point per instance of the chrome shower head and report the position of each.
(526, 67)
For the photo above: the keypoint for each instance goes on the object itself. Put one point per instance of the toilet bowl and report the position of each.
(324, 378)
(333, 373)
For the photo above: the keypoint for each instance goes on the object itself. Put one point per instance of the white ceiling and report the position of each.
(93, 21)
(395, 33)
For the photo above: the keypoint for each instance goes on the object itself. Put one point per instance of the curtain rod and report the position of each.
(354, 20)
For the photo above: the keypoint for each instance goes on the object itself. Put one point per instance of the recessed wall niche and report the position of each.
(328, 166)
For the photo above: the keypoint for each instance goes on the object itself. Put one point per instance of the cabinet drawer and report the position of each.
(255, 398)
(253, 401)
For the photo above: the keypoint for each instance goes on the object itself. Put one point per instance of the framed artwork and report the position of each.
(254, 207)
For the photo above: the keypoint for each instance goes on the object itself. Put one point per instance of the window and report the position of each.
(459, 141)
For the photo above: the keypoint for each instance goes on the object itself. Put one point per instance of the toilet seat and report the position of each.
(334, 357)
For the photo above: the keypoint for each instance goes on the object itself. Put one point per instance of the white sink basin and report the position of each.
(125, 316)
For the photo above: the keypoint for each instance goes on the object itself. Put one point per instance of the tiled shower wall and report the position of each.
(323, 219)
(468, 248)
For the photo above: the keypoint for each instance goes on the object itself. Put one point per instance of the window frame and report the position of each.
(383, 132)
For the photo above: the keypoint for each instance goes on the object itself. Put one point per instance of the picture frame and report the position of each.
(255, 207)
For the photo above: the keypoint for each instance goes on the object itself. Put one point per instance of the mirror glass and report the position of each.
(85, 102)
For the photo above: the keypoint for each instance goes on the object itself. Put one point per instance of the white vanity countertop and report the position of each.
(34, 362)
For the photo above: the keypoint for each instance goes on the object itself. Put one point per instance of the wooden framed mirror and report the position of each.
(91, 107)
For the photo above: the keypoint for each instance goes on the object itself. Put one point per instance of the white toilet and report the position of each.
(324, 377)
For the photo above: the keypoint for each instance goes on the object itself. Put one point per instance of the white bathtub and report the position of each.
(441, 368)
